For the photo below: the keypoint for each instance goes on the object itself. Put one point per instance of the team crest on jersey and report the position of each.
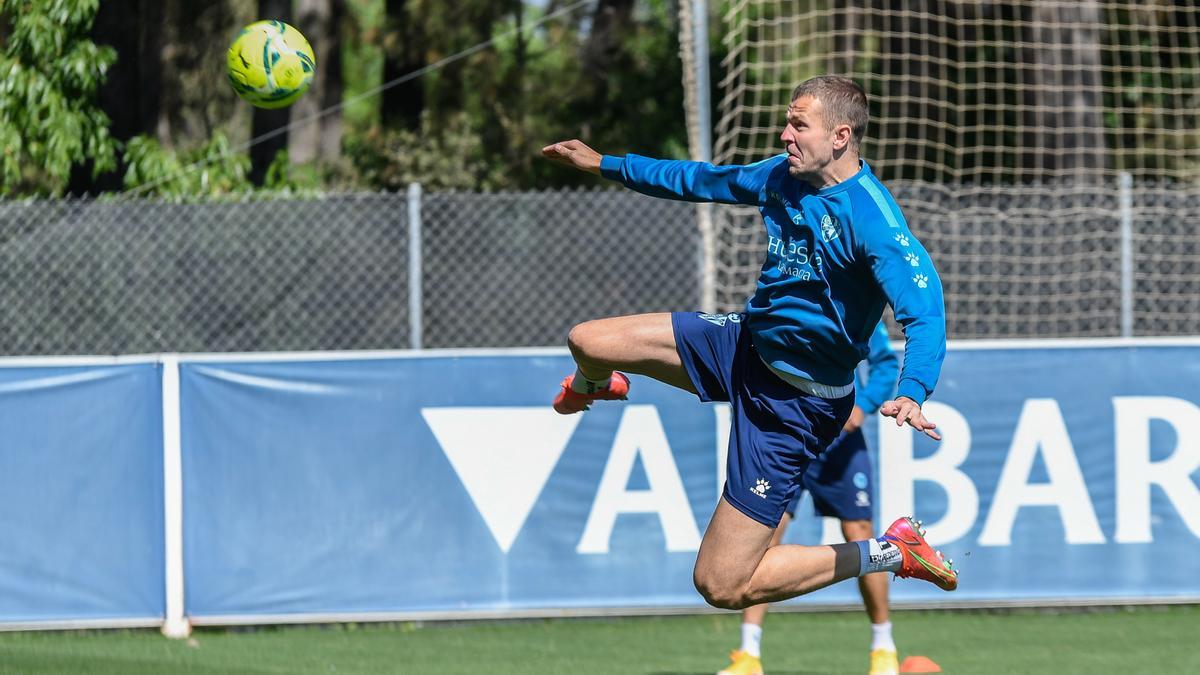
(830, 227)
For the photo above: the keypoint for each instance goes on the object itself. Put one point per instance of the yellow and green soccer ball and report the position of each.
(270, 64)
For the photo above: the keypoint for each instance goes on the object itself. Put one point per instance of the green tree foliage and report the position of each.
(210, 169)
(609, 75)
(444, 157)
(216, 168)
(49, 73)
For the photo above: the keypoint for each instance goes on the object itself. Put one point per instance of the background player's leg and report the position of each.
(747, 658)
(874, 587)
(641, 343)
(874, 590)
(736, 566)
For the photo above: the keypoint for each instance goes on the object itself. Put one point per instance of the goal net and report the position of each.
(1047, 153)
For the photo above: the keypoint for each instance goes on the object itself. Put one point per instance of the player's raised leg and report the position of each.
(643, 344)
(736, 567)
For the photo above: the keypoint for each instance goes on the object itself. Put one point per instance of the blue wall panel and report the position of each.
(446, 483)
(81, 501)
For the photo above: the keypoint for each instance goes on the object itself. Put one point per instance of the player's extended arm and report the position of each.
(904, 271)
(670, 179)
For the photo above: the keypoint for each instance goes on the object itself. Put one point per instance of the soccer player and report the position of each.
(839, 481)
(838, 249)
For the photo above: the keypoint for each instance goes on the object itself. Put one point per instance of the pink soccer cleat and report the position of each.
(921, 561)
(569, 401)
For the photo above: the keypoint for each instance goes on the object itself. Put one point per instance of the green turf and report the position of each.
(1145, 640)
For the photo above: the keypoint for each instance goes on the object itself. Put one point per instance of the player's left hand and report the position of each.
(574, 153)
(905, 409)
(857, 417)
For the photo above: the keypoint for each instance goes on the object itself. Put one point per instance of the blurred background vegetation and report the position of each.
(102, 97)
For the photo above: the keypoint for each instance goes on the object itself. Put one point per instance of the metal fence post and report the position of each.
(1126, 201)
(707, 257)
(414, 265)
(707, 262)
(703, 89)
(175, 623)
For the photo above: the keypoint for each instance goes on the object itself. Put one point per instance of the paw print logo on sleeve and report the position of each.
(921, 280)
(901, 239)
(912, 259)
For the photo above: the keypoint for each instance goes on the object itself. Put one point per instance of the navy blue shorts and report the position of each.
(776, 429)
(839, 480)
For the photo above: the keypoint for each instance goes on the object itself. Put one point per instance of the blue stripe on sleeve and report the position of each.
(868, 182)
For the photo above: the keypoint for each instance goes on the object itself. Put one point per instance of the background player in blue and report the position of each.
(838, 250)
(839, 481)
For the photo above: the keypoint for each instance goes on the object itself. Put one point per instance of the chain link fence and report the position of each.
(498, 270)
(519, 269)
(1032, 261)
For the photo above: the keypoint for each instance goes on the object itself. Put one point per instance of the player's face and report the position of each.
(808, 143)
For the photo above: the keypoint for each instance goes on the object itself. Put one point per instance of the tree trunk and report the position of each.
(611, 20)
(1063, 124)
(320, 21)
(131, 93)
(266, 121)
(401, 105)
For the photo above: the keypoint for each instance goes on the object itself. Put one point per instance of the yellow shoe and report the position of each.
(744, 664)
(884, 662)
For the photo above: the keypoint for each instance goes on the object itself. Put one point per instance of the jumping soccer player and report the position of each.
(840, 484)
(838, 249)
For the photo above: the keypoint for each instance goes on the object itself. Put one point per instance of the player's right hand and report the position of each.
(574, 153)
(905, 409)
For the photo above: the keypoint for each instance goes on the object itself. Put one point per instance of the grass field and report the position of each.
(1143, 640)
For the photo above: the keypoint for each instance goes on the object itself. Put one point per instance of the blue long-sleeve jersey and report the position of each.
(835, 256)
(882, 367)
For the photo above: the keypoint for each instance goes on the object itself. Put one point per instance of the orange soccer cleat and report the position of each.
(569, 401)
(921, 561)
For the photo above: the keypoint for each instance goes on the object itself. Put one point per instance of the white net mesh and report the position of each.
(1004, 130)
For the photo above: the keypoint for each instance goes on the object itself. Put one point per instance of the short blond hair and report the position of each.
(843, 100)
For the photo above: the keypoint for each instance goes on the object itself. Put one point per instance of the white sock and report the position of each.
(751, 637)
(878, 555)
(585, 386)
(881, 636)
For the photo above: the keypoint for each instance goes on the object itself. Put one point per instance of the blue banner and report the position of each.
(1064, 473)
(446, 483)
(81, 497)
(431, 484)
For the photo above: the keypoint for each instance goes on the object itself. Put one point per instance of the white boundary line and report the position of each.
(586, 612)
(579, 613)
(380, 354)
(1072, 343)
(368, 355)
(48, 361)
(80, 624)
